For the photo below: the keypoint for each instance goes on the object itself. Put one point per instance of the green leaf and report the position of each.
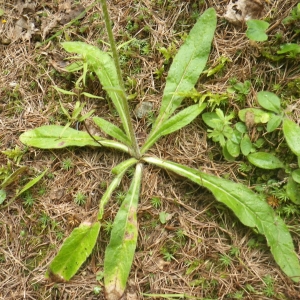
(56, 137)
(175, 123)
(119, 170)
(1, 12)
(269, 101)
(31, 183)
(258, 115)
(187, 65)
(246, 145)
(291, 133)
(65, 92)
(274, 123)
(289, 48)
(103, 65)
(293, 190)
(120, 251)
(233, 148)
(296, 175)
(211, 119)
(265, 160)
(12, 177)
(91, 95)
(111, 130)
(2, 196)
(256, 30)
(251, 210)
(73, 253)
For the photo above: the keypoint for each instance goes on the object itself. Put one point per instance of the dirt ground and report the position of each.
(202, 251)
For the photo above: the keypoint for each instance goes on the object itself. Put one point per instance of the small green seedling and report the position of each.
(183, 74)
(256, 30)
(240, 89)
(293, 17)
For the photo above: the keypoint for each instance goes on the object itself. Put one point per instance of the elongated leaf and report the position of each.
(112, 130)
(120, 251)
(265, 160)
(74, 251)
(31, 183)
(103, 65)
(274, 123)
(291, 133)
(251, 210)
(56, 137)
(176, 122)
(296, 175)
(119, 170)
(269, 101)
(12, 177)
(2, 196)
(187, 65)
(65, 92)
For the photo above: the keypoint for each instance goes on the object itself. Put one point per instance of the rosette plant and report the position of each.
(183, 74)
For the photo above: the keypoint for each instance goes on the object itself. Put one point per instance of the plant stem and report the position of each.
(120, 78)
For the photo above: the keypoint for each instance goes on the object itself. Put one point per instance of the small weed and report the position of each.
(156, 202)
(80, 198)
(67, 164)
(108, 225)
(28, 199)
(45, 219)
(120, 196)
(225, 260)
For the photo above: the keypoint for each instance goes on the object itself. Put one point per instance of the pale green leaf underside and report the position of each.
(56, 137)
(120, 251)
(103, 65)
(187, 65)
(251, 210)
(74, 251)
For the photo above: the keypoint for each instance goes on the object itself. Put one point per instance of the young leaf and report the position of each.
(2, 196)
(91, 95)
(31, 183)
(120, 251)
(56, 137)
(112, 130)
(257, 30)
(187, 65)
(65, 92)
(265, 160)
(251, 210)
(176, 122)
(293, 190)
(274, 123)
(291, 133)
(73, 253)
(103, 65)
(296, 175)
(233, 148)
(246, 145)
(269, 101)
(12, 177)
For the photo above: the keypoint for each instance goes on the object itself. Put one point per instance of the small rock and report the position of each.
(142, 109)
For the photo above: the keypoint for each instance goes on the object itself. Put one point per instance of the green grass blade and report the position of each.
(74, 252)
(56, 137)
(12, 177)
(112, 130)
(175, 123)
(31, 183)
(120, 251)
(187, 65)
(251, 210)
(103, 65)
